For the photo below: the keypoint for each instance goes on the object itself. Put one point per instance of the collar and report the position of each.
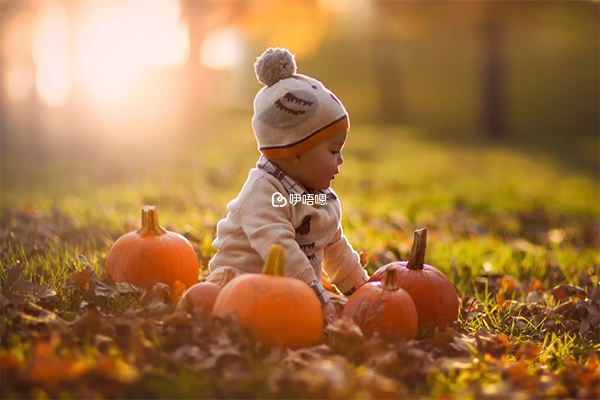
(292, 187)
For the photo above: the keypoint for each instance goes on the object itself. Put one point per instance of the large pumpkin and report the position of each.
(434, 295)
(151, 255)
(383, 308)
(278, 309)
(204, 294)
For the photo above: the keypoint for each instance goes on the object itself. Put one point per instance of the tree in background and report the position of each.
(13, 17)
(493, 83)
(395, 21)
(386, 59)
(5, 9)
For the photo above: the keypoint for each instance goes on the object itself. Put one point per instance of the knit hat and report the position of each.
(293, 112)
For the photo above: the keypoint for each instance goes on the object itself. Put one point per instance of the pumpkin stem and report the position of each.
(389, 280)
(275, 264)
(417, 253)
(150, 225)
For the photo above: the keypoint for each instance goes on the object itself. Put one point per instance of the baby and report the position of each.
(301, 129)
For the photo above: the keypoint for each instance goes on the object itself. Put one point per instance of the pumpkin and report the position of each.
(280, 310)
(434, 295)
(151, 255)
(384, 308)
(204, 294)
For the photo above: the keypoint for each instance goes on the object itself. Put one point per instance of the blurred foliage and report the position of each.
(418, 64)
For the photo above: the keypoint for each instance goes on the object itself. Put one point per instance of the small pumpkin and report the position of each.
(280, 310)
(383, 307)
(434, 295)
(152, 254)
(204, 294)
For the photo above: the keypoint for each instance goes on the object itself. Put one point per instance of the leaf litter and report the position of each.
(505, 346)
(99, 355)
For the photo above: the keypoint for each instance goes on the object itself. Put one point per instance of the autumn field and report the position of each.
(515, 229)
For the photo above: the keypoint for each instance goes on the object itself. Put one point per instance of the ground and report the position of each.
(515, 229)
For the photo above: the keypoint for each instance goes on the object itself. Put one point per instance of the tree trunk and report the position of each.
(493, 118)
(386, 64)
(4, 137)
(3, 114)
(193, 73)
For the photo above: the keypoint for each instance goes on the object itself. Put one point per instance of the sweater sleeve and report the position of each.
(265, 225)
(342, 264)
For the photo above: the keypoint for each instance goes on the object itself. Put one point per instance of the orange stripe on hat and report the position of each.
(295, 149)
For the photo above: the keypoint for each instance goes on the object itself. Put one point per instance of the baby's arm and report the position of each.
(342, 264)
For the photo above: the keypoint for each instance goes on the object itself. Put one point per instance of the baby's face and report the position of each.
(316, 168)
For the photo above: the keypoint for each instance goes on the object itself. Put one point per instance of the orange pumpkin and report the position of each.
(434, 295)
(204, 294)
(151, 255)
(383, 308)
(279, 310)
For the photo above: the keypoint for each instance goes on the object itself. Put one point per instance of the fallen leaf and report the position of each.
(112, 368)
(596, 294)
(565, 309)
(497, 346)
(176, 291)
(519, 376)
(563, 291)
(10, 360)
(589, 314)
(364, 258)
(303, 357)
(528, 351)
(17, 289)
(536, 296)
(92, 322)
(13, 275)
(81, 279)
(46, 371)
(592, 362)
(3, 301)
(87, 279)
(346, 327)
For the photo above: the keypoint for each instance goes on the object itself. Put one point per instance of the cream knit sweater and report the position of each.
(310, 234)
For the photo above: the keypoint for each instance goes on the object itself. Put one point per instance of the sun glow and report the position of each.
(106, 49)
(122, 40)
(223, 49)
(51, 55)
(19, 81)
(108, 72)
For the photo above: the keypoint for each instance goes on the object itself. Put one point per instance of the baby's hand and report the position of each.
(329, 313)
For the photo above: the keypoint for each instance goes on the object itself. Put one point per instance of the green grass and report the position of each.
(483, 204)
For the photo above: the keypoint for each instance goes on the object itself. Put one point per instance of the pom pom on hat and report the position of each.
(274, 65)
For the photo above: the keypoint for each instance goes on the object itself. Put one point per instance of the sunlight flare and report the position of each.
(120, 41)
(223, 49)
(51, 55)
